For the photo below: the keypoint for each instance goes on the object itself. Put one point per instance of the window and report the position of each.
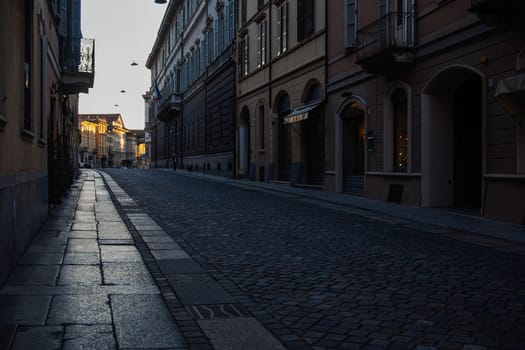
(260, 4)
(400, 130)
(350, 23)
(28, 120)
(261, 127)
(3, 58)
(282, 28)
(243, 11)
(261, 41)
(305, 19)
(221, 32)
(244, 57)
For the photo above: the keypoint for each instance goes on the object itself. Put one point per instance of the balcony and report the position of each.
(78, 64)
(170, 104)
(503, 14)
(387, 43)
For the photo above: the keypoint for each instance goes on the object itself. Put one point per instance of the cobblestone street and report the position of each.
(324, 277)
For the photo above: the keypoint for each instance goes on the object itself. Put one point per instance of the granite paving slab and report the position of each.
(84, 226)
(41, 338)
(82, 234)
(79, 309)
(42, 259)
(82, 258)
(24, 310)
(79, 275)
(76, 245)
(46, 248)
(121, 256)
(126, 274)
(148, 324)
(34, 275)
(79, 337)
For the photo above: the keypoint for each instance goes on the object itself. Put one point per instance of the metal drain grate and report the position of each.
(210, 312)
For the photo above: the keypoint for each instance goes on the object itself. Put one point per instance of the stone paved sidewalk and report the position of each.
(83, 284)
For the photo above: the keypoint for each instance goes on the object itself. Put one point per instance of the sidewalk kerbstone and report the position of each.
(180, 266)
(163, 246)
(79, 309)
(169, 254)
(147, 324)
(158, 239)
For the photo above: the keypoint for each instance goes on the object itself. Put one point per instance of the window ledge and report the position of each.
(393, 174)
(27, 135)
(261, 150)
(41, 142)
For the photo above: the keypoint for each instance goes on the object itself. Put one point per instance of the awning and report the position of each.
(510, 94)
(301, 113)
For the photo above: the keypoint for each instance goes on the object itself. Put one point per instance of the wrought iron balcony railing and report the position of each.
(392, 33)
(78, 55)
(78, 64)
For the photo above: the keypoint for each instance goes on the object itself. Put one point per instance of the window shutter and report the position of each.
(382, 8)
(350, 23)
(279, 28)
(259, 45)
(300, 20)
(216, 39)
(232, 20)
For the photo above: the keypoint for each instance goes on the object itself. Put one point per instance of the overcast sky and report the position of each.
(124, 31)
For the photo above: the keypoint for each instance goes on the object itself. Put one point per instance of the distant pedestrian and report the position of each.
(174, 160)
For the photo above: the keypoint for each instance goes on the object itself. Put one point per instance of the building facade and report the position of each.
(416, 108)
(44, 65)
(280, 91)
(192, 98)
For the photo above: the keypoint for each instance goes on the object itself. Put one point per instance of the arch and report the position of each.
(443, 118)
(313, 91)
(389, 116)
(244, 116)
(348, 102)
(282, 102)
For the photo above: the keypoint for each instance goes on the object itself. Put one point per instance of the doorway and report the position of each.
(452, 139)
(353, 122)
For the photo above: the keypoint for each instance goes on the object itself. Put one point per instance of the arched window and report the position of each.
(400, 131)
(397, 129)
